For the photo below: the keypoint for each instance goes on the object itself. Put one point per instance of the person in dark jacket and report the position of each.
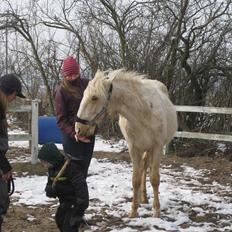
(68, 96)
(10, 87)
(63, 183)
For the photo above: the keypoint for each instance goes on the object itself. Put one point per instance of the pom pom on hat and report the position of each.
(70, 67)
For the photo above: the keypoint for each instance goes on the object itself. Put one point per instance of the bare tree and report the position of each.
(30, 62)
(185, 43)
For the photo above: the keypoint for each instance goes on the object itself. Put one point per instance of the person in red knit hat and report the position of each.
(68, 96)
(70, 68)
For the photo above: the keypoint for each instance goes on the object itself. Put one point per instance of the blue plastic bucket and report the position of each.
(48, 130)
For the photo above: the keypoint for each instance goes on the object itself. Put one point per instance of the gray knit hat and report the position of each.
(50, 153)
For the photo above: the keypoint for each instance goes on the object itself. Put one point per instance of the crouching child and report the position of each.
(67, 184)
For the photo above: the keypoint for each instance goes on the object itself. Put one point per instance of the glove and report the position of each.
(50, 191)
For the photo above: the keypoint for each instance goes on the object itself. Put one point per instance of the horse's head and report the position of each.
(94, 104)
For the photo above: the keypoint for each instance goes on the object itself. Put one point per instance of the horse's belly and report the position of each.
(143, 140)
(144, 135)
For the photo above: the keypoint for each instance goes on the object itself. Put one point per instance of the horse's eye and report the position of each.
(94, 98)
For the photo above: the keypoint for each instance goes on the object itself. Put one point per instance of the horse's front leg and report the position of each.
(136, 182)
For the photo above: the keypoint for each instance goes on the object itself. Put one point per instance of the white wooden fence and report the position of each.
(33, 136)
(208, 110)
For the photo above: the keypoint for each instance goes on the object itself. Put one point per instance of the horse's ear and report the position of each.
(114, 73)
(106, 74)
(98, 71)
(98, 74)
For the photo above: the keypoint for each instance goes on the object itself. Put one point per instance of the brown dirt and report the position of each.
(219, 168)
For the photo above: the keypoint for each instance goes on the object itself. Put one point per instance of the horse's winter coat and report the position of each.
(147, 119)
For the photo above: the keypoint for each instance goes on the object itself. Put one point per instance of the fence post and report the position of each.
(34, 130)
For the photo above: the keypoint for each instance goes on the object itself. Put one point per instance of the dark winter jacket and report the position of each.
(4, 163)
(67, 106)
(67, 188)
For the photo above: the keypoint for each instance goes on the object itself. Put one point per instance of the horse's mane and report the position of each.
(124, 75)
(133, 84)
(97, 84)
(136, 78)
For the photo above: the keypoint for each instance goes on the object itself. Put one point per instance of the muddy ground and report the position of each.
(30, 219)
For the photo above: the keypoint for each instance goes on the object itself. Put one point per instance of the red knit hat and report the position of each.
(70, 67)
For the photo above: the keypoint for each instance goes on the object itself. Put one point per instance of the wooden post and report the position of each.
(34, 130)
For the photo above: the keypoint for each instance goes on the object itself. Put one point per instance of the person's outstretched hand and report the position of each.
(82, 139)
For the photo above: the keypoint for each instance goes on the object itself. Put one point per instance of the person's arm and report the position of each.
(61, 115)
(5, 166)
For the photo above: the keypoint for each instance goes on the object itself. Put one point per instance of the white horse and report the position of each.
(147, 119)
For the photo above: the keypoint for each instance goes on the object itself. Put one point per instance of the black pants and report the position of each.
(4, 200)
(80, 150)
(68, 217)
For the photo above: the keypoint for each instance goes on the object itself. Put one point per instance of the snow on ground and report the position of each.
(181, 194)
(110, 183)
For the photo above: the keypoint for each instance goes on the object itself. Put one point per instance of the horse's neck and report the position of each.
(128, 101)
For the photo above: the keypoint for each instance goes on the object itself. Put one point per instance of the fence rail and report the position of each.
(33, 136)
(199, 135)
(204, 109)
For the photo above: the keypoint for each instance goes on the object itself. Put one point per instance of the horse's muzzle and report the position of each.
(84, 129)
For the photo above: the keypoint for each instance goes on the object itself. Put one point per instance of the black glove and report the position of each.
(50, 191)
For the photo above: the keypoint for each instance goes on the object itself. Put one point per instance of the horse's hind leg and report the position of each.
(143, 181)
(155, 181)
(136, 181)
